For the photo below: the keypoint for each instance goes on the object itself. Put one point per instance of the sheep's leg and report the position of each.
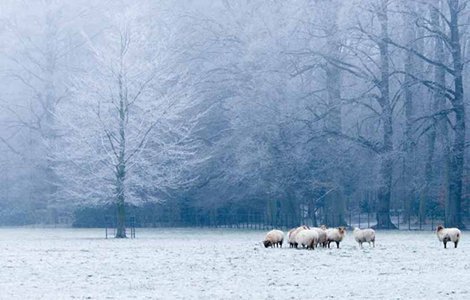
(337, 245)
(445, 244)
(373, 243)
(455, 243)
(329, 242)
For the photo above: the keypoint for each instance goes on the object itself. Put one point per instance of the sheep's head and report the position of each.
(323, 227)
(267, 243)
(342, 230)
(439, 228)
(305, 227)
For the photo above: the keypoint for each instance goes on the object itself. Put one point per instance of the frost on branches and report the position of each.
(129, 129)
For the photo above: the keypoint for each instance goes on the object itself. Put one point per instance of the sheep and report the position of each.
(291, 237)
(335, 235)
(321, 235)
(307, 238)
(274, 238)
(292, 234)
(448, 235)
(364, 235)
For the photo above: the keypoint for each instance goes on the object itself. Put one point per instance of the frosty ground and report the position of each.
(225, 264)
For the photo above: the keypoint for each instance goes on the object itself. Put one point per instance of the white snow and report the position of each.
(225, 264)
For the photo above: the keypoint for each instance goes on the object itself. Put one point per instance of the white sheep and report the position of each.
(364, 235)
(291, 237)
(335, 235)
(274, 238)
(321, 235)
(307, 238)
(448, 235)
(293, 233)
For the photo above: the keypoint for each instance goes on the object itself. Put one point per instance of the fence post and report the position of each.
(106, 221)
(398, 223)
(409, 221)
(132, 227)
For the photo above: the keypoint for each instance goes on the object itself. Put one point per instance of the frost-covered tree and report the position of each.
(37, 67)
(128, 133)
(291, 110)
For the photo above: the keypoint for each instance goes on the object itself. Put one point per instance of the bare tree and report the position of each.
(132, 116)
(450, 36)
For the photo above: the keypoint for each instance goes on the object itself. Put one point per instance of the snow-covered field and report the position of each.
(225, 264)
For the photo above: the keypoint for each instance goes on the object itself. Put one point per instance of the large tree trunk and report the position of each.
(439, 102)
(386, 170)
(48, 177)
(121, 166)
(428, 172)
(454, 201)
(120, 211)
(409, 88)
(335, 204)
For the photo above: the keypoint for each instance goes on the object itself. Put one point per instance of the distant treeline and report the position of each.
(234, 112)
(160, 215)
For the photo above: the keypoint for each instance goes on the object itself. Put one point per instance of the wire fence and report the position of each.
(263, 221)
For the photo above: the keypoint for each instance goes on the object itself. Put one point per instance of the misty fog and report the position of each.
(233, 111)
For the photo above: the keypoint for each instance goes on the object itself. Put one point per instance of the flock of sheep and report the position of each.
(311, 238)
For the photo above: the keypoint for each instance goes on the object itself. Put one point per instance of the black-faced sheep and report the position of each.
(448, 235)
(274, 238)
